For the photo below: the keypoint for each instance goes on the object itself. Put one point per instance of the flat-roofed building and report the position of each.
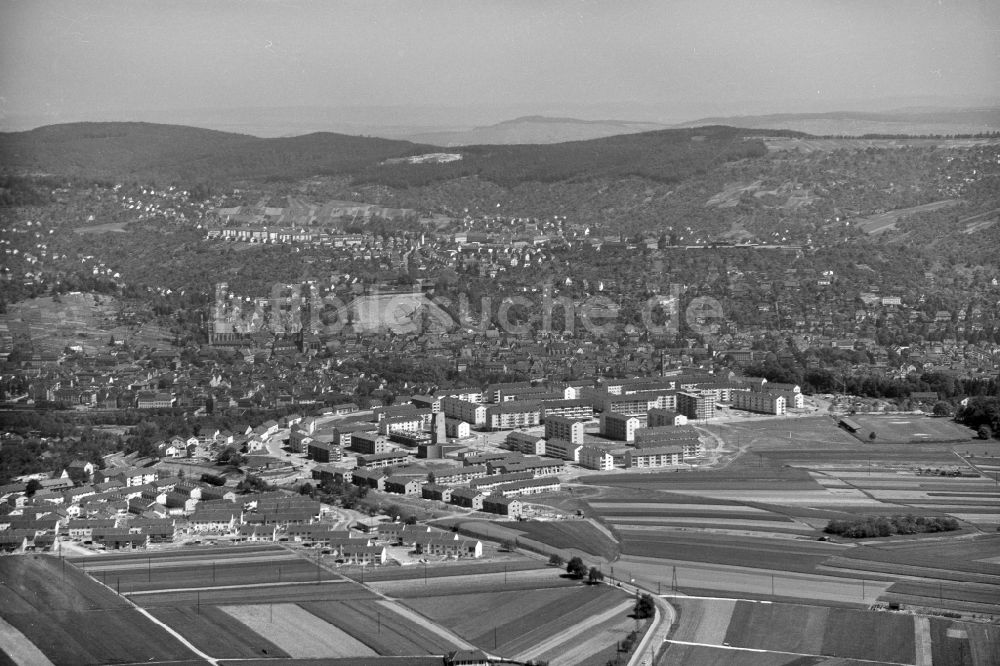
(664, 417)
(525, 442)
(471, 412)
(593, 457)
(620, 426)
(561, 427)
(696, 404)
(657, 456)
(762, 402)
(561, 448)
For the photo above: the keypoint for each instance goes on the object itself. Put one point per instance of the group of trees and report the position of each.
(645, 606)
(981, 413)
(866, 527)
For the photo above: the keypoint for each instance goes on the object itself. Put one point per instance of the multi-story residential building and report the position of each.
(763, 402)
(324, 453)
(383, 460)
(620, 426)
(524, 442)
(657, 456)
(471, 412)
(458, 475)
(514, 414)
(369, 442)
(561, 427)
(664, 417)
(696, 404)
(593, 457)
(573, 408)
(561, 448)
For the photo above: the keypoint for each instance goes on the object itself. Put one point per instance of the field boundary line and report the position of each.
(233, 587)
(791, 654)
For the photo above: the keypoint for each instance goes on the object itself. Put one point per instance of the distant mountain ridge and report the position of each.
(914, 121)
(181, 154)
(536, 130)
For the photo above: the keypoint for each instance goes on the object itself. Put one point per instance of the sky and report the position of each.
(463, 62)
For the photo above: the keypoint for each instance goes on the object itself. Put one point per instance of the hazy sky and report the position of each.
(661, 59)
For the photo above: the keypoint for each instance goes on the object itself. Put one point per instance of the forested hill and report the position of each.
(174, 152)
(184, 155)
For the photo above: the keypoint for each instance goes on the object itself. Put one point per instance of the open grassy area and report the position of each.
(911, 428)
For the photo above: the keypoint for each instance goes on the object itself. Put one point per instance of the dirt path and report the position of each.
(555, 641)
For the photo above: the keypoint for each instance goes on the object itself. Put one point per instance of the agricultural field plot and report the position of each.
(715, 580)
(52, 325)
(534, 579)
(251, 594)
(217, 633)
(511, 622)
(171, 575)
(579, 535)
(767, 554)
(960, 643)
(594, 643)
(745, 632)
(834, 632)
(449, 570)
(298, 633)
(702, 620)
(875, 458)
(908, 428)
(950, 595)
(702, 655)
(393, 634)
(876, 224)
(697, 482)
(74, 620)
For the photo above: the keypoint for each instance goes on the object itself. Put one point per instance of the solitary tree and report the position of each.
(984, 432)
(576, 568)
(872, 435)
(556, 560)
(595, 576)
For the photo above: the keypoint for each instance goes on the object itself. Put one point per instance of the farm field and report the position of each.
(74, 620)
(544, 536)
(714, 631)
(170, 575)
(394, 633)
(216, 632)
(514, 622)
(449, 569)
(76, 319)
(277, 593)
(298, 632)
(534, 579)
(720, 580)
